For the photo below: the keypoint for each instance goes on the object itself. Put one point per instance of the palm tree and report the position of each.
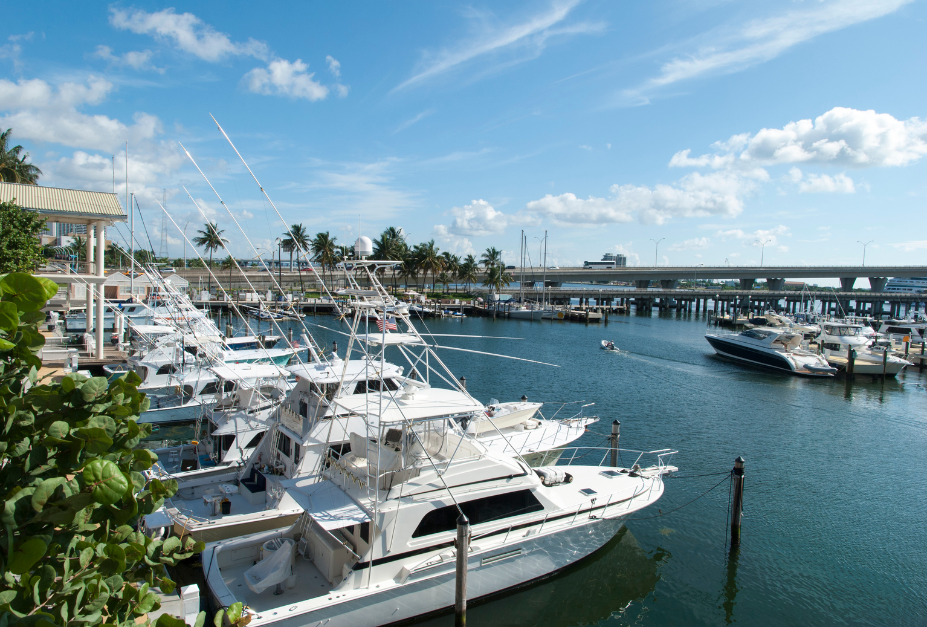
(445, 280)
(13, 166)
(325, 250)
(210, 238)
(390, 246)
(430, 260)
(78, 248)
(114, 255)
(467, 272)
(497, 278)
(408, 269)
(492, 257)
(227, 264)
(298, 239)
(451, 264)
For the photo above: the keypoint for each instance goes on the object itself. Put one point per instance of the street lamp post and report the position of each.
(656, 247)
(864, 248)
(763, 248)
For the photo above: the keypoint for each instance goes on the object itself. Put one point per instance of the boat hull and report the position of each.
(490, 572)
(755, 357)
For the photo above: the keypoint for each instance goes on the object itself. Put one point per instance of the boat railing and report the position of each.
(600, 456)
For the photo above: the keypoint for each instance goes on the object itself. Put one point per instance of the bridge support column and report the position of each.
(747, 284)
(668, 284)
(642, 284)
(877, 283)
(775, 285)
(846, 283)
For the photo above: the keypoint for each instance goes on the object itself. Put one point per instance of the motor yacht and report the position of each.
(774, 319)
(373, 542)
(771, 348)
(838, 338)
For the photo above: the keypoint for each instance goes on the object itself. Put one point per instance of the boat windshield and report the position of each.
(757, 334)
(842, 330)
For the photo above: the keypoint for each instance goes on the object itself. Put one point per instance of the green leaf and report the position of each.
(166, 620)
(234, 612)
(6, 345)
(143, 459)
(85, 556)
(96, 440)
(24, 290)
(170, 545)
(67, 384)
(106, 481)
(200, 620)
(148, 603)
(26, 555)
(9, 316)
(102, 422)
(93, 387)
(51, 288)
(45, 490)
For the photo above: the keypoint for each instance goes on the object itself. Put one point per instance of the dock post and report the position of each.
(228, 330)
(737, 506)
(616, 433)
(460, 590)
(851, 363)
(289, 334)
(463, 383)
(884, 363)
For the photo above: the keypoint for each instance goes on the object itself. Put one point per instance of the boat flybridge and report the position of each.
(774, 319)
(772, 348)
(372, 541)
(836, 339)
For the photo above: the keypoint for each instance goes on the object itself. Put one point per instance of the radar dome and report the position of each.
(363, 247)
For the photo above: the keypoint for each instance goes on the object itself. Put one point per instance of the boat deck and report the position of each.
(200, 509)
(310, 583)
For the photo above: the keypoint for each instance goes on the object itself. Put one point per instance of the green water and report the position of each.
(835, 507)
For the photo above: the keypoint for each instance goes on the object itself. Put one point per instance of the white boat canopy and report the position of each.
(392, 339)
(240, 372)
(328, 504)
(241, 424)
(422, 404)
(331, 372)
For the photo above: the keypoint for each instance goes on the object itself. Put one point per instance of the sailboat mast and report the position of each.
(521, 265)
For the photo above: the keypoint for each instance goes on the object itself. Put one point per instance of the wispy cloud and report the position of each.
(530, 35)
(413, 120)
(759, 41)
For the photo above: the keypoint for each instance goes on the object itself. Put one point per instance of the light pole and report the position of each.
(656, 247)
(864, 248)
(762, 244)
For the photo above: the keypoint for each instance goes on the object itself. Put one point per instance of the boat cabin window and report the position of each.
(833, 347)
(756, 334)
(225, 443)
(899, 330)
(255, 440)
(167, 369)
(283, 444)
(373, 385)
(478, 511)
(210, 388)
(325, 390)
(188, 391)
(303, 408)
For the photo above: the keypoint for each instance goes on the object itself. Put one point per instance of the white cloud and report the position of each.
(480, 218)
(359, 188)
(696, 243)
(839, 183)
(760, 40)
(585, 147)
(842, 136)
(912, 246)
(413, 120)
(694, 195)
(448, 241)
(528, 37)
(187, 32)
(334, 66)
(138, 60)
(282, 78)
(755, 238)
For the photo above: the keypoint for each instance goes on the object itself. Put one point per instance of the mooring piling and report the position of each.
(737, 504)
(616, 433)
(460, 590)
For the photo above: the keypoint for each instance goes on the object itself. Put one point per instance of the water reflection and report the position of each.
(730, 586)
(603, 586)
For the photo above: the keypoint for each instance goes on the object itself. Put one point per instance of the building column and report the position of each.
(89, 317)
(101, 248)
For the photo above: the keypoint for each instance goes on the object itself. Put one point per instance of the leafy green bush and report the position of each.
(72, 486)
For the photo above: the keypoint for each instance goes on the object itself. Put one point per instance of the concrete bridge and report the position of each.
(775, 276)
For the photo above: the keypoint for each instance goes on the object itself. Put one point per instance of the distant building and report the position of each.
(609, 260)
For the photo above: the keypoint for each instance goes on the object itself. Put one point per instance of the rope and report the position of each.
(730, 475)
(145, 227)
(709, 474)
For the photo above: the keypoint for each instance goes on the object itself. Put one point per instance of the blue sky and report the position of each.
(713, 125)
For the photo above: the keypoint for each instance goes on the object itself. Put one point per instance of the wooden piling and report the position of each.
(851, 363)
(884, 363)
(737, 504)
(460, 590)
(616, 433)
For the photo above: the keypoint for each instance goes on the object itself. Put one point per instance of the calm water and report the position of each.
(835, 508)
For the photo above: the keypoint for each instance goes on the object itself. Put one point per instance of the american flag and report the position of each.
(390, 324)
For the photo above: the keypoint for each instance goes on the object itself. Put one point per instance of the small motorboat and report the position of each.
(608, 345)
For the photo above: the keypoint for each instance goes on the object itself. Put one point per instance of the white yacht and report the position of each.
(907, 285)
(838, 338)
(771, 348)
(774, 319)
(374, 540)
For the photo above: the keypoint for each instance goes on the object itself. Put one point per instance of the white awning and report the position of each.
(240, 372)
(152, 329)
(241, 424)
(392, 339)
(328, 504)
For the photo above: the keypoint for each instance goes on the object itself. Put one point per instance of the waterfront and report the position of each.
(829, 535)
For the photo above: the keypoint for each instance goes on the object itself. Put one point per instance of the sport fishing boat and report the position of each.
(608, 345)
(771, 348)
(373, 542)
(838, 338)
